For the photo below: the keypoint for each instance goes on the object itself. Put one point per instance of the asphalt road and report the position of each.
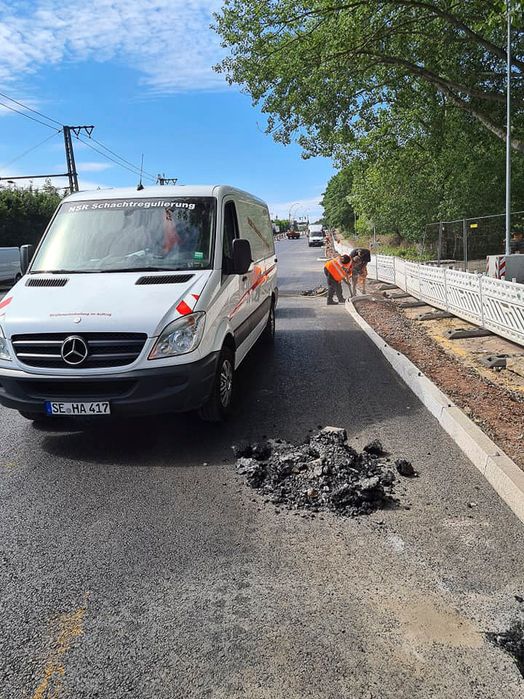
(134, 563)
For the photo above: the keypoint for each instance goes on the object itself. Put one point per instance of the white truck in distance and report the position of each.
(139, 302)
(315, 234)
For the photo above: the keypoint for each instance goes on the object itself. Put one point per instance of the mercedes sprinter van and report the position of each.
(139, 302)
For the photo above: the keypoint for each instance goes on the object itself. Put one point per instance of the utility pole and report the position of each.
(70, 156)
(71, 173)
(508, 128)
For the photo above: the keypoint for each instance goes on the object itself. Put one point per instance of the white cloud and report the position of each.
(168, 41)
(93, 167)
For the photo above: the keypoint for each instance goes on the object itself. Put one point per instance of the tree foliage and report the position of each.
(338, 211)
(25, 213)
(407, 96)
(327, 69)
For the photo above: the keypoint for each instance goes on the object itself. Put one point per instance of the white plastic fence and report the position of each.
(490, 303)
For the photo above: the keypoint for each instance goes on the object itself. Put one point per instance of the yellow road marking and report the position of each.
(70, 626)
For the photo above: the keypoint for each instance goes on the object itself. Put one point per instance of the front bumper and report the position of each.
(177, 388)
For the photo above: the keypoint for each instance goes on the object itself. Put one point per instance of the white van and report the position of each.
(316, 235)
(10, 271)
(139, 302)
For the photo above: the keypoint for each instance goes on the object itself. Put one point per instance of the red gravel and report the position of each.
(497, 411)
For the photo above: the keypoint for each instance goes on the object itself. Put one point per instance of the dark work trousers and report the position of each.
(333, 288)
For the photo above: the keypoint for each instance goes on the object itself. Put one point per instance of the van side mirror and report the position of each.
(26, 255)
(242, 257)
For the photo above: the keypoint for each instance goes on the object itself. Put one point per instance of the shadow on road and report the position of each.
(308, 378)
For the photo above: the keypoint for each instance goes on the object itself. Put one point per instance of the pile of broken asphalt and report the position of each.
(324, 473)
(319, 291)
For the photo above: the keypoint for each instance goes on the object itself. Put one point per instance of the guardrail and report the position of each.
(493, 304)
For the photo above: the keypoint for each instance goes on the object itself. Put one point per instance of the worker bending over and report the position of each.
(359, 270)
(336, 270)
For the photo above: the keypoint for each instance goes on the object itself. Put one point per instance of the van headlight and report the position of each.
(181, 336)
(5, 354)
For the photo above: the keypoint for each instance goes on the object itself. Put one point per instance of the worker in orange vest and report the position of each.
(336, 270)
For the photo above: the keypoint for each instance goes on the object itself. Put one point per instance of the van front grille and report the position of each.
(103, 349)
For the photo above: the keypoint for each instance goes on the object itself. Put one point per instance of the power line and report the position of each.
(30, 150)
(135, 170)
(121, 158)
(30, 109)
(7, 106)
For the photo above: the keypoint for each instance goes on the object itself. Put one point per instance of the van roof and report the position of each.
(186, 190)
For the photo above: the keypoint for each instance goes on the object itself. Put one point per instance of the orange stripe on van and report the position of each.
(183, 308)
(6, 302)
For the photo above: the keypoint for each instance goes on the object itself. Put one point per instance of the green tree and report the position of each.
(326, 71)
(338, 211)
(25, 213)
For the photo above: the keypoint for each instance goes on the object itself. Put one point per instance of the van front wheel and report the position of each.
(268, 334)
(219, 402)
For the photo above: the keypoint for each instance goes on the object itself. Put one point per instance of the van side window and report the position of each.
(256, 227)
(230, 233)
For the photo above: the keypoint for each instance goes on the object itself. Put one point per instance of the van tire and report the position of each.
(268, 334)
(218, 405)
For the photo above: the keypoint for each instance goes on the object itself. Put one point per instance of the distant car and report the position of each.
(10, 271)
(293, 235)
(316, 235)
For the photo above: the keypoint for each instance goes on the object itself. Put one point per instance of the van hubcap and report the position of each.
(226, 383)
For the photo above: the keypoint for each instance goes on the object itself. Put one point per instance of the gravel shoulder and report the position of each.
(498, 410)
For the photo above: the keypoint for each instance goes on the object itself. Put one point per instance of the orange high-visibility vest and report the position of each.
(337, 269)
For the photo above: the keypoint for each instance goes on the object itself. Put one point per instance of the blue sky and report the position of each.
(141, 72)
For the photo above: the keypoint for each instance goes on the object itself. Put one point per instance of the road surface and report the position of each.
(135, 563)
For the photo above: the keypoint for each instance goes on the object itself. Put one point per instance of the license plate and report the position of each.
(80, 409)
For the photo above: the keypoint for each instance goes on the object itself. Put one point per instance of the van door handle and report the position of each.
(244, 278)
(276, 259)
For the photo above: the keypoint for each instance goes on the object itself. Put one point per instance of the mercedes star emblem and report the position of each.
(74, 350)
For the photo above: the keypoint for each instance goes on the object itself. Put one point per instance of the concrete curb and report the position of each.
(500, 471)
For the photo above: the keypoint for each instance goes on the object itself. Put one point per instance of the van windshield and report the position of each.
(117, 235)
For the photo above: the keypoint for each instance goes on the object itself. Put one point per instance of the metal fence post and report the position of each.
(394, 272)
(465, 243)
(376, 263)
(440, 234)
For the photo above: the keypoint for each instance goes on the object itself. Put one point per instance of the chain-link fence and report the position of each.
(465, 243)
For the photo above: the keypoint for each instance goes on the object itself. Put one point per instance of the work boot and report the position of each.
(332, 303)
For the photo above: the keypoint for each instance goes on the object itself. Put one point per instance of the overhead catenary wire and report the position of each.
(28, 116)
(30, 150)
(134, 169)
(30, 109)
(149, 174)
(117, 159)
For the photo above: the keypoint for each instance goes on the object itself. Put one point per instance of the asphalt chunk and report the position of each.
(322, 473)
(512, 641)
(405, 468)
